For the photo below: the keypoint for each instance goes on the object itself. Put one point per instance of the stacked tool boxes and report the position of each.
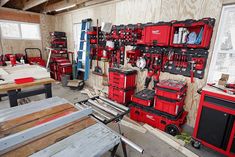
(58, 42)
(121, 84)
(60, 66)
(162, 108)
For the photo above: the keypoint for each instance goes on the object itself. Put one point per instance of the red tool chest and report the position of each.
(167, 105)
(65, 68)
(215, 122)
(205, 25)
(171, 89)
(165, 122)
(122, 96)
(156, 34)
(144, 97)
(121, 78)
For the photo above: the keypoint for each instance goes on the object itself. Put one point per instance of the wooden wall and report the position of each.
(47, 24)
(134, 11)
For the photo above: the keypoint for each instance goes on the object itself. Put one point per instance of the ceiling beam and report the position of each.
(33, 3)
(94, 2)
(63, 4)
(3, 2)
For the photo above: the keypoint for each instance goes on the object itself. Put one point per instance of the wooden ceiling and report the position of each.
(49, 6)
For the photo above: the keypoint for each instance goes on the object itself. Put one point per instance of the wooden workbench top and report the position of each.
(13, 86)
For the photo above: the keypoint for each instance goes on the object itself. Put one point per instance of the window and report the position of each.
(19, 30)
(223, 59)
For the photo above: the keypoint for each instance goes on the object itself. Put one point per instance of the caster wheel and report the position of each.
(172, 130)
(196, 144)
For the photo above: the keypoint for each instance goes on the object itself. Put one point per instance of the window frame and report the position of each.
(20, 31)
(215, 53)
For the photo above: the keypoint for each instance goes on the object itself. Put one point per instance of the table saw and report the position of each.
(55, 127)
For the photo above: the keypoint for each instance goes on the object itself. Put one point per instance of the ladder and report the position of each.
(84, 48)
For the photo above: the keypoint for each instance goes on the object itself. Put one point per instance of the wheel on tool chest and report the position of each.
(172, 129)
(196, 144)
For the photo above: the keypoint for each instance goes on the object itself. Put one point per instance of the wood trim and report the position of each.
(19, 16)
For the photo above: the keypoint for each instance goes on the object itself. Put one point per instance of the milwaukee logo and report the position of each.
(156, 32)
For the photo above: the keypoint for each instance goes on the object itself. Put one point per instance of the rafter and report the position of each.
(63, 4)
(33, 3)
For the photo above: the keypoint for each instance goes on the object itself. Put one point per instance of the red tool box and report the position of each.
(34, 60)
(65, 68)
(167, 105)
(156, 34)
(121, 78)
(171, 89)
(165, 122)
(144, 97)
(215, 122)
(206, 25)
(122, 96)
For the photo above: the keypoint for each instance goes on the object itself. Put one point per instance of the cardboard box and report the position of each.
(223, 80)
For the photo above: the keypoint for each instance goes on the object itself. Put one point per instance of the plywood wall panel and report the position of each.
(142, 11)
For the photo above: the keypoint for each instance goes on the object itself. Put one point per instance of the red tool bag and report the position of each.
(34, 60)
(165, 122)
(169, 106)
(171, 89)
(156, 34)
(121, 78)
(121, 96)
(144, 97)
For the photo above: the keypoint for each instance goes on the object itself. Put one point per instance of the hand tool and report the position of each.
(230, 85)
(228, 91)
(192, 71)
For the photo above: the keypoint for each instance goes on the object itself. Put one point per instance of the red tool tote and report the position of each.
(144, 97)
(34, 60)
(215, 122)
(165, 122)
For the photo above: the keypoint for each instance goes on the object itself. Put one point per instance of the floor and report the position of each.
(153, 147)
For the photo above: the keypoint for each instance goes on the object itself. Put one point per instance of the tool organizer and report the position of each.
(150, 39)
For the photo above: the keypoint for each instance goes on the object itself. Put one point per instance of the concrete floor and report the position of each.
(153, 147)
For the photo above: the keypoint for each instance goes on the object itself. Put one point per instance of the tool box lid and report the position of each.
(157, 112)
(172, 84)
(123, 71)
(145, 94)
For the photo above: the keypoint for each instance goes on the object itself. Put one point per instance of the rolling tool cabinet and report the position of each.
(215, 125)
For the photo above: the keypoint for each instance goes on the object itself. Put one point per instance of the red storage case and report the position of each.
(65, 68)
(170, 106)
(121, 78)
(121, 96)
(144, 97)
(165, 122)
(24, 80)
(171, 89)
(194, 26)
(156, 34)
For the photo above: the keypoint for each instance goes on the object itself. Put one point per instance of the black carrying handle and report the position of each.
(26, 50)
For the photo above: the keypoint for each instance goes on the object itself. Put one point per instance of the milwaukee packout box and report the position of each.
(122, 78)
(171, 89)
(165, 122)
(121, 96)
(156, 34)
(144, 97)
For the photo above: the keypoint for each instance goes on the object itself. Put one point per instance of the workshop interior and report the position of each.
(117, 78)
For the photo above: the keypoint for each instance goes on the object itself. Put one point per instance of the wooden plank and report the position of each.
(19, 16)
(45, 141)
(171, 142)
(13, 86)
(32, 3)
(31, 120)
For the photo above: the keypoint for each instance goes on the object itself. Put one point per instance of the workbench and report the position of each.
(53, 127)
(15, 91)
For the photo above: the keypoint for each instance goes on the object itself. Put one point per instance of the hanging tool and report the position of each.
(192, 71)
(98, 69)
(228, 91)
(84, 39)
